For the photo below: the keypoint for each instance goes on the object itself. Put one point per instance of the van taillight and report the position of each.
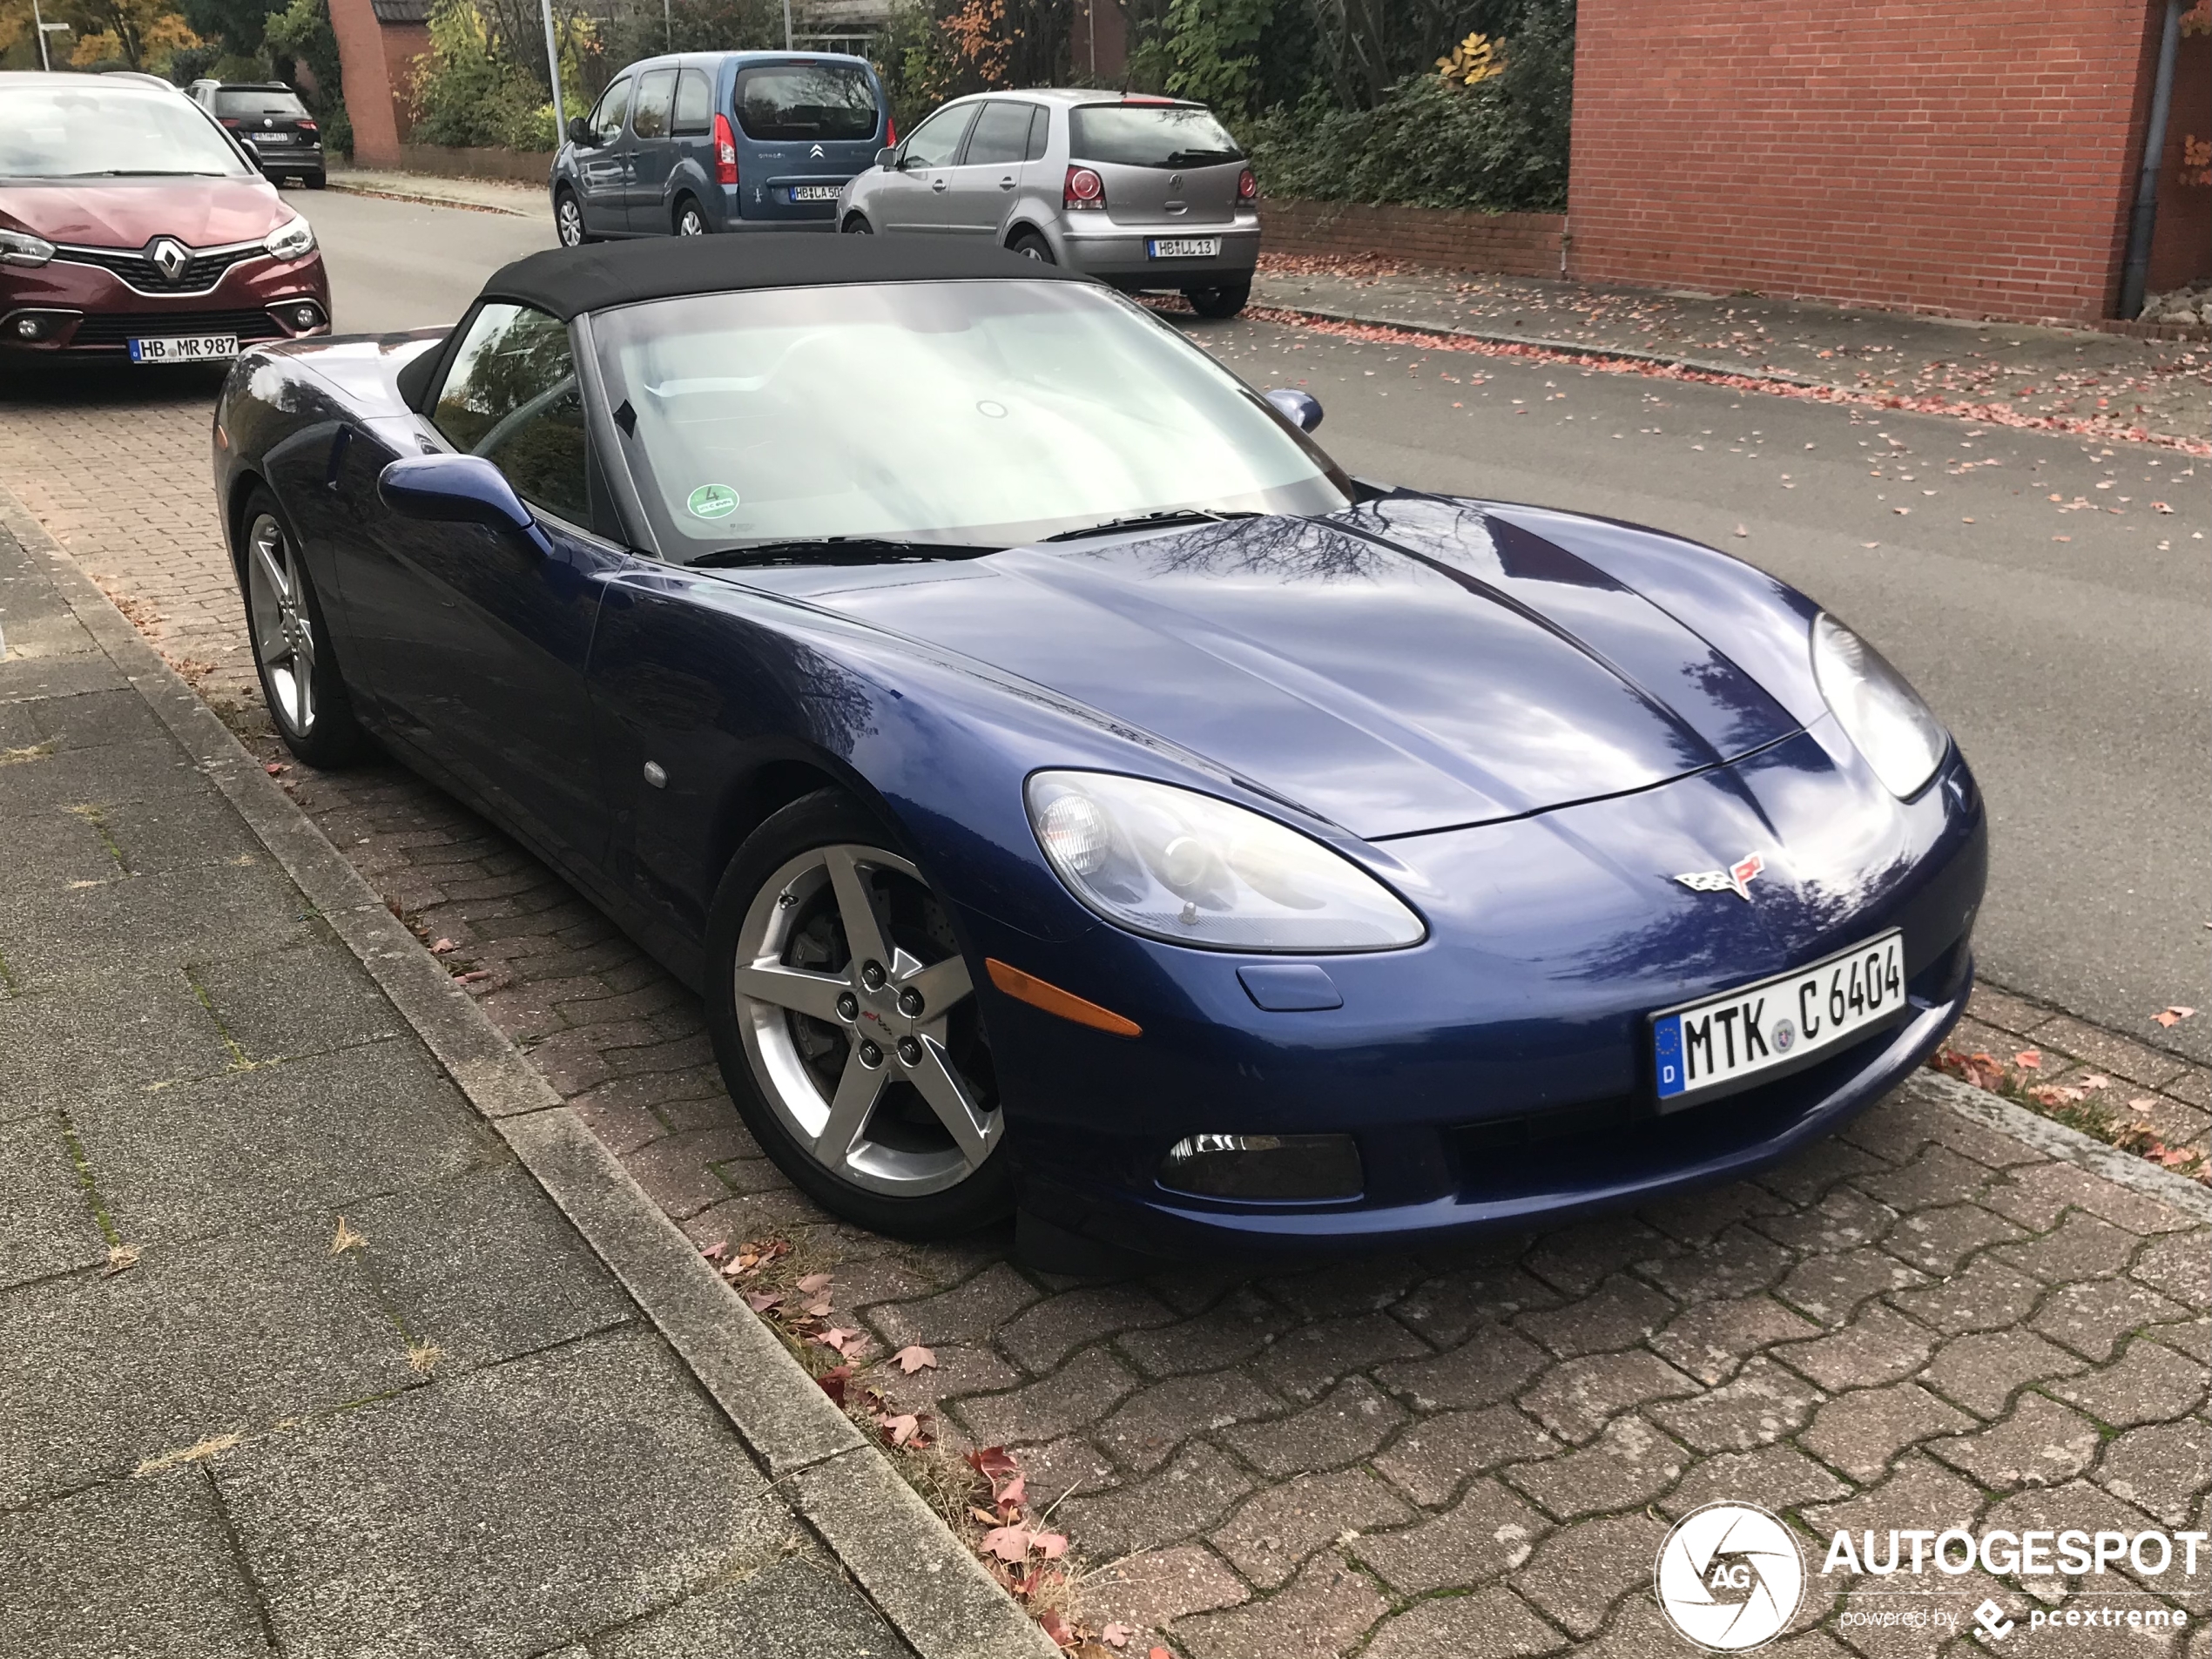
(726, 151)
(890, 132)
(1084, 190)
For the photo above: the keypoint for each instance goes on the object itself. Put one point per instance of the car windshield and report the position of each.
(257, 100)
(967, 414)
(1149, 135)
(805, 101)
(68, 131)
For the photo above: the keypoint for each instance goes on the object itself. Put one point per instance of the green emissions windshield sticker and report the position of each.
(712, 501)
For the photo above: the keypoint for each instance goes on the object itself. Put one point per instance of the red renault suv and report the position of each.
(133, 226)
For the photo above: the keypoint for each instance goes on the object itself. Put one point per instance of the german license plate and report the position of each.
(1726, 1040)
(1182, 248)
(816, 193)
(271, 137)
(184, 348)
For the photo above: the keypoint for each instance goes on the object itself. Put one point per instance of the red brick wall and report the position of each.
(367, 77)
(1509, 244)
(403, 43)
(1962, 156)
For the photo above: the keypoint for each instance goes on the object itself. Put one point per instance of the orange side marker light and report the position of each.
(1028, 987)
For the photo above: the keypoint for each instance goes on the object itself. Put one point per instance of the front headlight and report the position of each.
(1897, 733)
(21, 248)
(1173, 864)
(294, 239)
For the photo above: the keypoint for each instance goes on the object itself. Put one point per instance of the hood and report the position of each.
(123, 212)
(1409, 665)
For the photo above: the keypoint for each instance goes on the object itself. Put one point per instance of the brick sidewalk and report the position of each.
(1919, 1323)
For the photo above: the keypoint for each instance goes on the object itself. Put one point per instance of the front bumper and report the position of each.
(1098, 247)
(1499, 1076)
(84, 311)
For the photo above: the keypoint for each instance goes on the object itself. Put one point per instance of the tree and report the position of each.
(138, 34)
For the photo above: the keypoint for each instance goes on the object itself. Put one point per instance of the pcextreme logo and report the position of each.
(1729, 1577)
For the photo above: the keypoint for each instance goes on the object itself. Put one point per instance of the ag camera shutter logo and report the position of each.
(1729, 1577)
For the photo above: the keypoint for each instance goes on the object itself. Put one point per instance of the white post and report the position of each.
(553, 70)
(787, 25)
(668, 24)
(45, 62)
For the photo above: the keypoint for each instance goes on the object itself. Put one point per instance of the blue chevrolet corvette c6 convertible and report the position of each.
(1071, 793)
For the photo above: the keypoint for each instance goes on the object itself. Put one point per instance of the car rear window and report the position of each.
(253, 101)
(1149, 135)
(807, 101)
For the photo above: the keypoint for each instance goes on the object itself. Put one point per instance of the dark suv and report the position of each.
(719, 141)
(269, 119)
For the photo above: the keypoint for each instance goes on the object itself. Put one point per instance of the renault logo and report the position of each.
(169, 256)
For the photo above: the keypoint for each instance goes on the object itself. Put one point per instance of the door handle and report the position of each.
(1007, 183)
(939, 186)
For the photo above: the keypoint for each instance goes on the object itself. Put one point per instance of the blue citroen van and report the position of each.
(699, 142)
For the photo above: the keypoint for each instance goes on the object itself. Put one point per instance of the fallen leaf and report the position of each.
(1008, 1543)
(761, 1301)
(814, 1283)
(275, 767)
(121, 1259)
(900, 1428)
(983, 1516)
(913, 1358)
(443, 947)
(834, 1382)
(2160, 507)
(1162, 1653)
(1014, 1493)
(1056, 1627)
(843, 1340)
(345, 1239)
(1051, 1545)
(716, 1251)
(2029, 1059)
(1117, 1636)
(2174, 1016)
(1740, 530)
(2093, 1081)
(993, 1462)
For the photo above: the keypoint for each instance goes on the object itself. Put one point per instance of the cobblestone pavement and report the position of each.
(1918, 1323)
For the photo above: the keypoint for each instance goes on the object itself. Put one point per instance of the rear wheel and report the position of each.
(1221, 300)
(856, 226)
(568, 220)
(1030, 245)
(690, 222)
(291, 651)
(847, 1029)
(316, 181)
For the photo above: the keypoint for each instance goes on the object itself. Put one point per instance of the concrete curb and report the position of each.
(925, 1583)
(430, 198)
(1537, 342)
(2070, 1145)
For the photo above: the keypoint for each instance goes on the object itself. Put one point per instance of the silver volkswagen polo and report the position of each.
(1151, 194)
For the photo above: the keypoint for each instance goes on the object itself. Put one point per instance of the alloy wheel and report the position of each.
(569, 220)
(283, 634)
(690, 222)
(860, 1023)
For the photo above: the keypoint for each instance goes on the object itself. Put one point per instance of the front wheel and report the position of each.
(299, 679)
(568, 220)
(689, 220)
(1221, 300)
(846, 1026)
(856, 226)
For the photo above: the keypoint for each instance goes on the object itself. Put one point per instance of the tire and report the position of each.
(316, 181)
(909, 1143)
(1031, 246)
(1222, 300)
(689, 221)
(855, 225)
(568, 220)
(301, 682)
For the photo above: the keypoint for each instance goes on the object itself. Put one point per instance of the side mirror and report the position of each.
(886, 156)
(1301, 409)
(457, 490)
(579, 132)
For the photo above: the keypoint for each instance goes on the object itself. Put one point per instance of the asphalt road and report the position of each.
(2065, 646)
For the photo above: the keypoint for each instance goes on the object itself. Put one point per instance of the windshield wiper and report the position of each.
(144, 172)
(1149, 521)
(840, 550)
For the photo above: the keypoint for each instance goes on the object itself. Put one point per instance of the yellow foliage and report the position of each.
(1475, 59)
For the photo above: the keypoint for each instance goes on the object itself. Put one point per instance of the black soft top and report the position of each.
(568, 281)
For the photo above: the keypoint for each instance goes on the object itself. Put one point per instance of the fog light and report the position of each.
(35, 327)
(1281, 1169)
(299, 315)
(29, 327)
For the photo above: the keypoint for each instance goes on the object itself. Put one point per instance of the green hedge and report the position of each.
(1500, 146)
